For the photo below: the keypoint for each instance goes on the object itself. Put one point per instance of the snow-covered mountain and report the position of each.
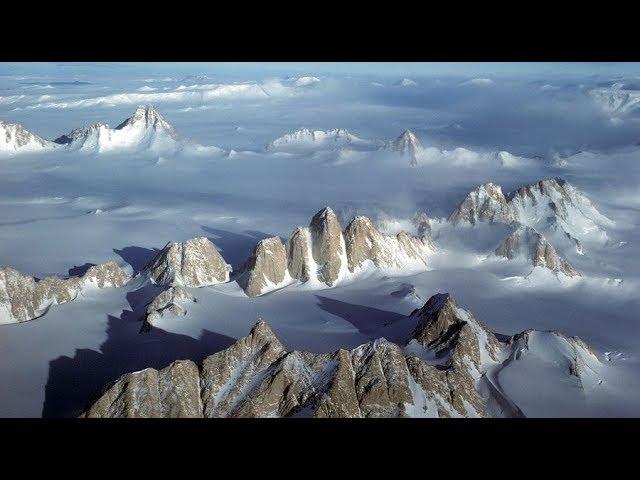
(306, 139)
(548, 205)
(407, 145)
(448, 368)
(14, 138)
(23, 297)
(145, 129)
(484, 203)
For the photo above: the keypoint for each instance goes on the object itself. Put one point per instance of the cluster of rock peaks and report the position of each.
(546, 207)
(526, 241)
(445, 369)
(324, 254)
(23, 297)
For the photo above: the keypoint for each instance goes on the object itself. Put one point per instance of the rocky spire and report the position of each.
(266, 269)
(192, 263)
(299, 257)
(328, 248)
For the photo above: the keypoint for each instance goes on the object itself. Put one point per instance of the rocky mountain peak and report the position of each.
(257, 377)
(407, 144)
(526, 241)
(328, 247)
(192, 263)
(147, 117)
(485, 203)
(266, 268)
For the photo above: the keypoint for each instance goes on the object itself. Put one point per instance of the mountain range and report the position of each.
(449, 365)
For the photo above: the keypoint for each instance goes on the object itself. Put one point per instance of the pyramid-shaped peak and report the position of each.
(146, 116)
(324, 214)
(436, 303)
(262, 329)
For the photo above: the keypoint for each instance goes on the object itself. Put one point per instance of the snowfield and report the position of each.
(239, 160)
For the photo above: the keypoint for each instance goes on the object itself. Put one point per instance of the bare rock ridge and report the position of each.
(407, 145)
(23, 297)
(525, 241)
(192, 263)
(323, 253)
(451, 376)
(16, 138)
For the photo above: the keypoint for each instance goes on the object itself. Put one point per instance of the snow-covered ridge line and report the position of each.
(257, 377)
(146, 129)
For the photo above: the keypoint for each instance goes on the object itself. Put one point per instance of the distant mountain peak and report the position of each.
(148, 117)
(15, 138)
(407, 144)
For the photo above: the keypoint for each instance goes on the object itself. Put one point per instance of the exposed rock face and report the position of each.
(257, 377)
(15, 138)
(192, 263)
(169, 393)
(171, 300)
(323, 253)
(365, 243)
(106, 275)
(328, 248)
(525, 241)
(407, 145)
(23, 297)
(485, 203)
(266, 269)
(299, 255)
